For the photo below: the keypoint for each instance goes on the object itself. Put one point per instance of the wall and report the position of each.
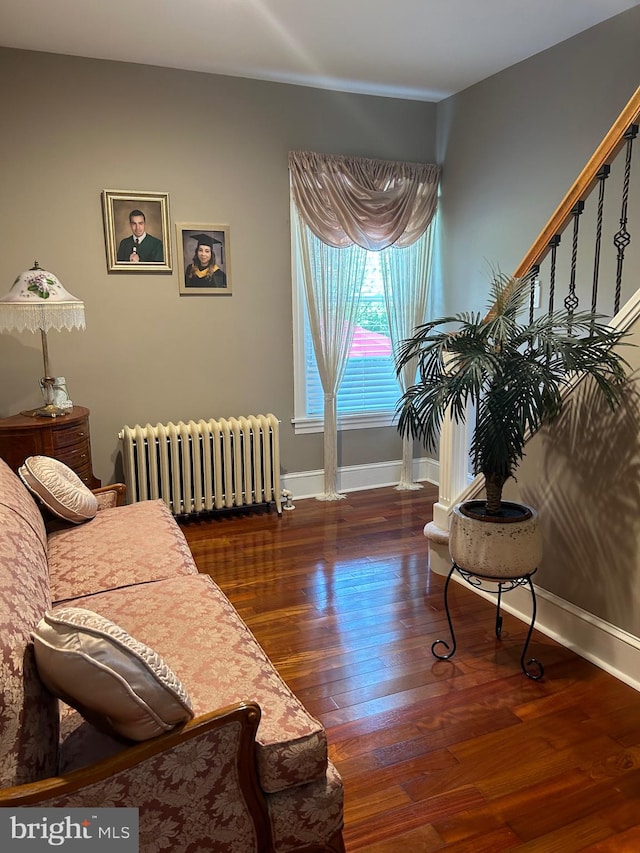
(218, 146)
(513, 144)
(587, 491)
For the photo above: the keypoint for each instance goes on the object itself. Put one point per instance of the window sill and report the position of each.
(365, 420)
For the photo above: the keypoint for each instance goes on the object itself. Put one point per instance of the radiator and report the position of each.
(204, 466)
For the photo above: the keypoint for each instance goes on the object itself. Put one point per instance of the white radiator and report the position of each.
(203, 466)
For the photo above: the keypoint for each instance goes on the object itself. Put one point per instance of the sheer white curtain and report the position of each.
(333, 284)
(345, 203)
(405, 275)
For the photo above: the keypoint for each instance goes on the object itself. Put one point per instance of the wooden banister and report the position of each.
(583, 184)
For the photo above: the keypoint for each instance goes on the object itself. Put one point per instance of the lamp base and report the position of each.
(48, 411)
(54, 390)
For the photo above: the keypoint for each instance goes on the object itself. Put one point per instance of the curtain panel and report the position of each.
(333, 284)
(406, 278)
(372, 203)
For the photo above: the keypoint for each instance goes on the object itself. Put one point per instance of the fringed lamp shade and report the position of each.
(37, 301)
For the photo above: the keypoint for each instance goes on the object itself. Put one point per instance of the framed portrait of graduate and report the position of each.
(136, 227)
(205, 254)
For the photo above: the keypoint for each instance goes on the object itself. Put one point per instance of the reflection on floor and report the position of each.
(462, 755)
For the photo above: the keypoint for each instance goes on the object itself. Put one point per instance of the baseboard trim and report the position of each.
(354, 478)
(607, 646)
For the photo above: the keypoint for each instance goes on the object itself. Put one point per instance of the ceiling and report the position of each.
(417, 49)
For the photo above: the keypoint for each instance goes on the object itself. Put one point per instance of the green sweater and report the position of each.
(150, 250)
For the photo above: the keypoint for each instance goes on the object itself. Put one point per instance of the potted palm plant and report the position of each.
(513, 373)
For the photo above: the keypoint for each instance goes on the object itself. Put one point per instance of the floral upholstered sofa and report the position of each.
(240, 766)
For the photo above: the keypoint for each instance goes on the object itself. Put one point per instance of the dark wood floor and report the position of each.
(467, 755)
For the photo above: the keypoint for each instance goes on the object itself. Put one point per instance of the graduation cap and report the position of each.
(205, 240)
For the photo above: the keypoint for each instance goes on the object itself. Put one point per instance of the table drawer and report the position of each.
(78, 454)
(74, 434)
(84, 472)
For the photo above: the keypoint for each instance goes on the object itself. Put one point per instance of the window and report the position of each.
(369, 390)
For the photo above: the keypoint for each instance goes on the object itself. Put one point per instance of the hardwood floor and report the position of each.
(466, 755)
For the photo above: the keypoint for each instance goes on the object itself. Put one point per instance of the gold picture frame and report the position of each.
(196, 279)
(125, 213)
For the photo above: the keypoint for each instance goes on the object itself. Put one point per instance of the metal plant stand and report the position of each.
(532, 668)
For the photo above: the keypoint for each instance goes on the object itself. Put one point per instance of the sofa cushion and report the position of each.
(121, 546)
(29, 718)
(58, 488)
(191, 623)
(115, 681)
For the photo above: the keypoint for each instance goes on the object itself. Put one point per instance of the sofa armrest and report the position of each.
(113, 495)
(191, 785)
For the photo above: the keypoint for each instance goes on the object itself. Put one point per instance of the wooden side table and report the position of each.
(66, 438)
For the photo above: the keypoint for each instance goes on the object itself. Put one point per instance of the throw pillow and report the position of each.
(116, 682)
(58, 488)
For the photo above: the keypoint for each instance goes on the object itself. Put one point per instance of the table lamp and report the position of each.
(38, 301)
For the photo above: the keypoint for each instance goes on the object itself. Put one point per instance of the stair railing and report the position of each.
(603, 156)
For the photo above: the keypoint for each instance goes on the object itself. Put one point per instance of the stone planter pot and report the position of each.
(506, 546)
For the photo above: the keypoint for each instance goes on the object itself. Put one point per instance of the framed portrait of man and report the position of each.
(136, 228)
(206, 261)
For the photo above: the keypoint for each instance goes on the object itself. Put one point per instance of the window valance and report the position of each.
(373, 203)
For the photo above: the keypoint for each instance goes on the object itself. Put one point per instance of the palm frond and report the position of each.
(514, 371)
